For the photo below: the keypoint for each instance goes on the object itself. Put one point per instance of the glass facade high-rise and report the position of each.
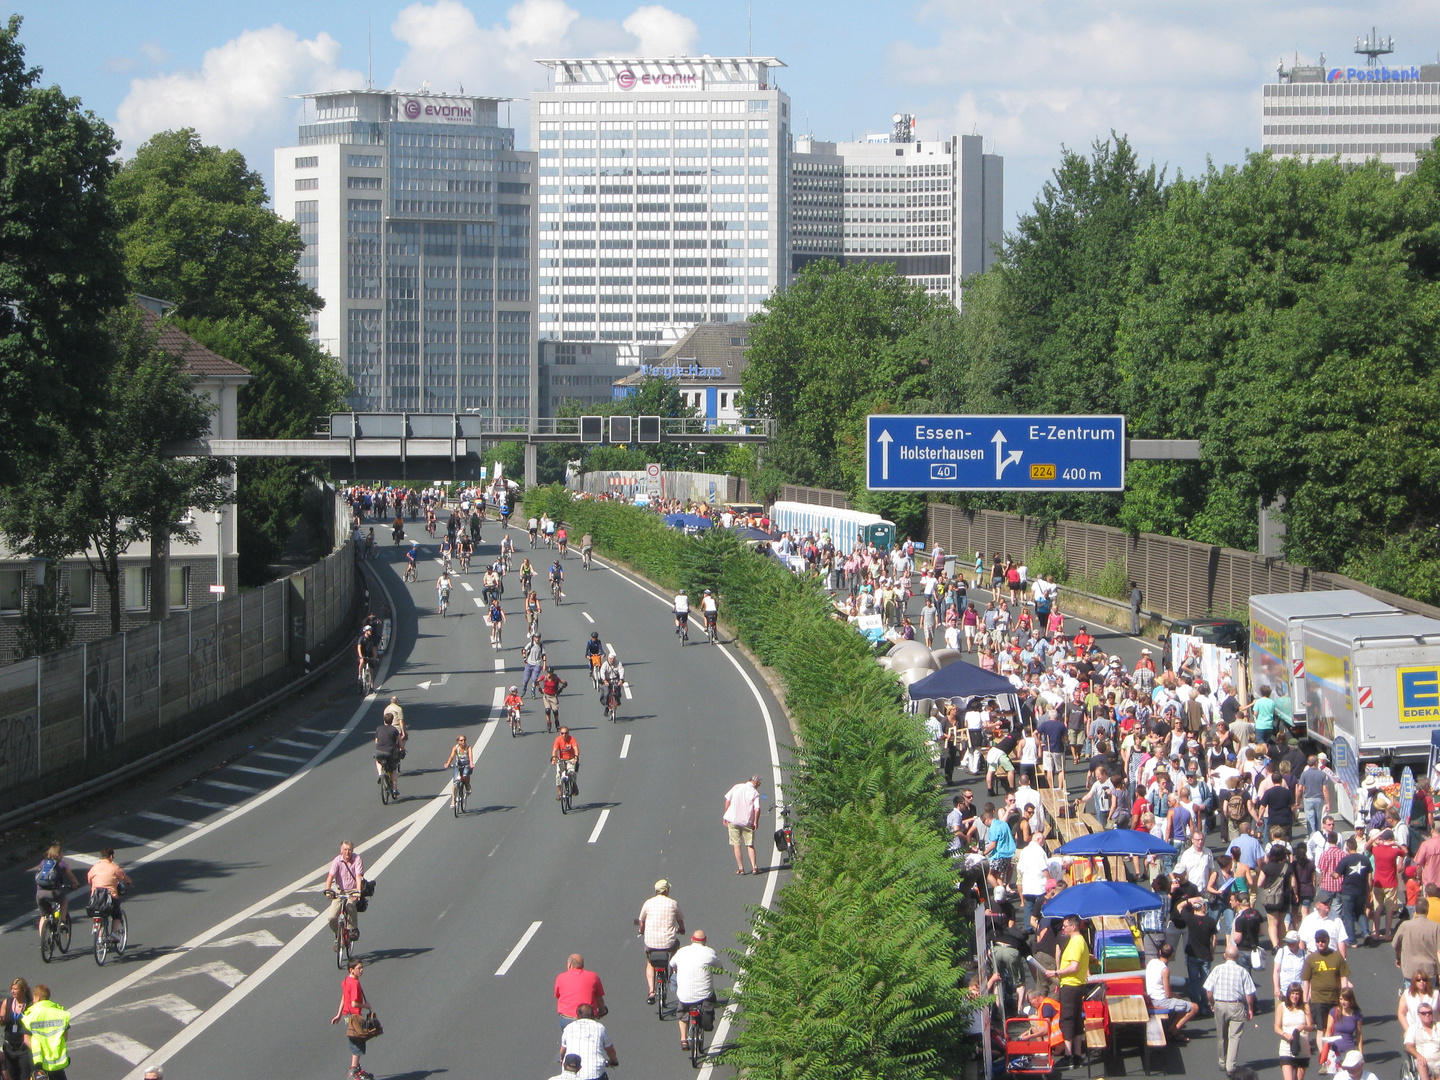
(417, 215)
(664, 188)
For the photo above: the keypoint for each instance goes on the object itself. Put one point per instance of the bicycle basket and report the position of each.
(367, 887)
(100, 902)
(362, 905)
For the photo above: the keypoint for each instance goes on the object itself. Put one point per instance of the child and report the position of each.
(513, 700)
(1412, 889)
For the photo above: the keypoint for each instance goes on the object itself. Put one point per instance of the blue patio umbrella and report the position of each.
(688, 521)
(1097, 898)
(1117, 842)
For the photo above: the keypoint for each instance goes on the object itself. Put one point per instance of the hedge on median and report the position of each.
(855, 973)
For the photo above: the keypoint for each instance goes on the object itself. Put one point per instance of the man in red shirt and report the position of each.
(575, 987)
(565, 756)
(1389, 860)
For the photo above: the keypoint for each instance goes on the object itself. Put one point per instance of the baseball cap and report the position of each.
(1322, 935)
(1292, 937)
(1353, 1058)
(573, 1062)
(999, 893)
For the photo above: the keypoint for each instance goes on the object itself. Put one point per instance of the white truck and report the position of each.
(1275, 657)
(1376, 680)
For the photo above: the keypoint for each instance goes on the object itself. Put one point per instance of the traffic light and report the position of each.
(592, 429)
(620, 430)
(649, 429)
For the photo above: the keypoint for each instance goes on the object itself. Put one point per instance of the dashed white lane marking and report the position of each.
(151, 815)
(313, 731)
(298, 745)
(256, 770)
(216, 969)
(479, 602)
(294, 911)
(468, 588)
(226, 786)
(119, 1045)
(261, 939)
(624, 752)
(130, 838)
(207, 803)
(595, 832)
(279, 757)
(499, 666)
(587, 619)
(628, 696)
(518, 949)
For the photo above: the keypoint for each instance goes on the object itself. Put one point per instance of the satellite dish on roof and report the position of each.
(897, 118)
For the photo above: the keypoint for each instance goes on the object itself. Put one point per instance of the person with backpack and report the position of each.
(50, 878)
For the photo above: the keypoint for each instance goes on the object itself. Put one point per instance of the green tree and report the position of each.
(108, 487)
(61, 264)
(197, 231)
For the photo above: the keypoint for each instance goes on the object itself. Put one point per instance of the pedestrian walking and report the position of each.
(1136, 598)
(1231, 991)
(742, 815)
(353, 1003)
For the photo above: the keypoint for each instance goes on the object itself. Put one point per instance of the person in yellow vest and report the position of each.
(1073, 973)
(48, 1025)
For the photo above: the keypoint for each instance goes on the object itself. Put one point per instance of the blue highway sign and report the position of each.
(995, 453)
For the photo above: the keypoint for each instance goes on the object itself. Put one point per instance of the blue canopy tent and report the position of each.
(962, 680)
(689, 522)
(1117, 842)
(1097, 898)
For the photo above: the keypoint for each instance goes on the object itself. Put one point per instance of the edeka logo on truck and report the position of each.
(1419, 694)
(1271, 640)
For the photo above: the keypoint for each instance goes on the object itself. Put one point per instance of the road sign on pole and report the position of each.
(995, 453)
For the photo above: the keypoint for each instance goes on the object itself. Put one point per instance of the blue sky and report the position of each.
(1181, 79)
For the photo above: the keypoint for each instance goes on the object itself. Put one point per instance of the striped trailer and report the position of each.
(843, 525)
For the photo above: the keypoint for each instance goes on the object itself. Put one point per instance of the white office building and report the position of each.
(416, 211)
(932, 208)
(663, 197)
(1356, 113)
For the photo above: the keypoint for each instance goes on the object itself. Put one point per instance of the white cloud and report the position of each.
(240, 94)
(662, 32)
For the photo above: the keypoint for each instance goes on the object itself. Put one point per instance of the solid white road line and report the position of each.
(412, 826)
(587, 619)
(517, 950)
(625, 746)
(119, 1045)
(151, 815)
(130, 838)
(595, 832)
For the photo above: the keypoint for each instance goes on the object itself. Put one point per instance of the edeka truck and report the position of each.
(1375, 679)
(1275, 622)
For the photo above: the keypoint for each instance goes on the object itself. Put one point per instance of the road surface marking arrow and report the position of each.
(263, 938)
(119, 1045)
(294, 911)
(217, 969)
(884, 439)
(1001, 461)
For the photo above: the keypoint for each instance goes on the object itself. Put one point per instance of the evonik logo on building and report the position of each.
(628, 80)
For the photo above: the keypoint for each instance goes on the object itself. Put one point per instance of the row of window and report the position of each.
(82, 586)
(1353, 110)
(1360, 89)
(1330, 149)
(642, 106)
(1351, 129)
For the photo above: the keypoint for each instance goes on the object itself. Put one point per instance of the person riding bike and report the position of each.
(108, 883)
(586, 544)
(507, 549)
(561, 538)
(565, 756)
(368, 651)
(442, 590)
(467, 549)
(513, 703)
(410, 557)
(661, 924)
(430, 521)
(496, 618)
(387, 752)
(681, 609)
(557, 575)
(50, 878)
(533, 525)
(710, 609)
(532, 612)
(594, 654)
(397, 529)
(550, 686)
(446, 550)
(490, 585)
(612, 683)
(461, 765)
(527, 574)
(343, 882)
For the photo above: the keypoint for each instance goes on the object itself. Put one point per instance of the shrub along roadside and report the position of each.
(855, 973)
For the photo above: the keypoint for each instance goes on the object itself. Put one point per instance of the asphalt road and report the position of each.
(230, 968)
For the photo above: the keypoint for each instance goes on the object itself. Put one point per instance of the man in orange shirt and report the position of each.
(565, 756)
(106, 875)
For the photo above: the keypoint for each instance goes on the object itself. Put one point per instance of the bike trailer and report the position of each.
(1028, 1047)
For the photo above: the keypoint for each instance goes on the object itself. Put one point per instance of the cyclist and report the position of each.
(342, 882)
(442, 590)
(550, 686)
(586, 543)
(460, 764)
(467, 549)
(430, 520)
(490, 585)
(612, 681)
(681, 609)
(496, 618)
(410, 557)
(387, 753)
(710, 609)
(513, 703)
(505, 511)
(477, 518)
(50, 878)
(507, 549)
(532, 612)
(534, 526)
(107, 880)
(527, 573)
(565, 756)
(557, 578)
(548, 524)
(397, 529)
(594, 655)
(694, 978)
(367, 649)
(397, 716)
(534, 656)
(561, 538)
(661, 925)
(446, 550)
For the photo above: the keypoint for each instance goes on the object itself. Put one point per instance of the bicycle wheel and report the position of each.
(697, 1043)
(342, 942)
(62, 936)
(662, 992)
(565, 792)
(464, 798)
(47, 942)
(457, 797)
(384, 782)
(123, 937)
(102, 941)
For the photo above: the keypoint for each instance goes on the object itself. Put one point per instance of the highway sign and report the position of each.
(995, 453)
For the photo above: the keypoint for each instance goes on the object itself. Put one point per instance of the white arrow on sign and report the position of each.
(1001, 461)
(884, 439)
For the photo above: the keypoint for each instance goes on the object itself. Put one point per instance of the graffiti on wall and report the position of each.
(19, 757)
(103, 706)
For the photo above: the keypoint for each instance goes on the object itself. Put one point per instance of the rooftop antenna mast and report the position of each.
(369, 55)
(1374, 46)
(750, 28)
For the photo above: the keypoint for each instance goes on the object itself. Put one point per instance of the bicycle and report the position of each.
(457, 800)
(585, 558)
(410, 574)
(465, 564)
(555, 590)
(682, 629)
(444, 608)
(344, 934)
(785, 836)
(660, 991)
(695, 1036)
(710, 630)
(514, 717)
(367, 678)
(388, 791)
(102, 927)
(54, 931)
(567, 789)
(612, 701)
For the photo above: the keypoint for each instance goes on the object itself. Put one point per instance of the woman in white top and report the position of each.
(1029, 755)
(1292, 1019)
(1421, 990)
